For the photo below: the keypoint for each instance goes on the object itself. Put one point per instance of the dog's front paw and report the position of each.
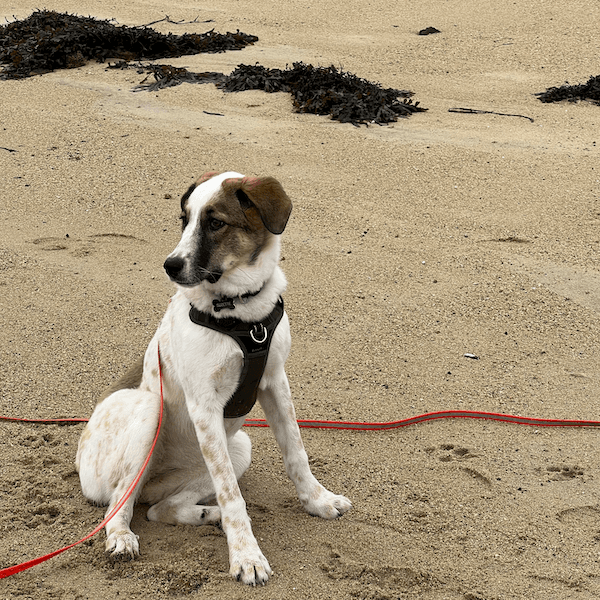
(123, 545)
(250, 567)
(326, 505)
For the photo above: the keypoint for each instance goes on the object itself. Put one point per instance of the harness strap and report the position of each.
(255, 340)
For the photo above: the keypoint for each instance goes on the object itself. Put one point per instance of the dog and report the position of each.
(225, 268)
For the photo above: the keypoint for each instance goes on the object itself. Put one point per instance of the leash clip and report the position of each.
(255, 331)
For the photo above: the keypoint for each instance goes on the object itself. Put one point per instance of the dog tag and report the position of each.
(219, 305)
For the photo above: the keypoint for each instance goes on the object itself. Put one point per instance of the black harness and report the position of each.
(255, 340)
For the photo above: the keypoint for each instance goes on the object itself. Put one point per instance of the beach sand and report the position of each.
(410, 246)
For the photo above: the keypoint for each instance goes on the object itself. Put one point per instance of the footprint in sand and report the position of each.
(564, 472)
(81, 247)
(582, 518)
(51, 243)
(449, 453)
(580, 514)
(45, 514)
(376, 580)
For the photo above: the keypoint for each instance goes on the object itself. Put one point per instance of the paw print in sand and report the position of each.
(564, 472)
(450, 452)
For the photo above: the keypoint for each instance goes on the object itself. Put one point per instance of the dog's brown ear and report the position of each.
(266, 195)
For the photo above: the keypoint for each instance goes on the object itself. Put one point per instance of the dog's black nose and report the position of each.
(173, 266)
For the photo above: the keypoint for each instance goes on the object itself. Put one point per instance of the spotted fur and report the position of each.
(230, 246)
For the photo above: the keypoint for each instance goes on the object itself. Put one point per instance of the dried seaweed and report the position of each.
(318, 90)
(167, 75)
(48, 40)
(429, 31)
(327, 91)
(573, 93)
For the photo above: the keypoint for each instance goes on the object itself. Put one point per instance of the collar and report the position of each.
(223, 302)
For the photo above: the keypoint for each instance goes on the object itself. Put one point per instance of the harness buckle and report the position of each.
(255, 331)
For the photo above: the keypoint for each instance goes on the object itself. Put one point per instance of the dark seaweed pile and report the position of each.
(318, 90)
(573, 93)
(48, 40)
(327, 91)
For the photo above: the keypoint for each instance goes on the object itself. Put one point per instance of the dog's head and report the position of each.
(231, 227)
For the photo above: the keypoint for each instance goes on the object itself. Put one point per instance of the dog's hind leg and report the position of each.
(112, 450)
(182, 506)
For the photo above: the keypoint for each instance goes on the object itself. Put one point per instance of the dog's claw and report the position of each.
(251, 571)
(328, 505)
(123, 545)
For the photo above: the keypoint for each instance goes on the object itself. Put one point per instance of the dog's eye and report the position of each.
(216, 224)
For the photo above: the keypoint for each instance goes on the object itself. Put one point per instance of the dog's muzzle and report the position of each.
(175, 267)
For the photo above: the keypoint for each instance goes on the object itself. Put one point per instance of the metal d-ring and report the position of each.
(255, 331)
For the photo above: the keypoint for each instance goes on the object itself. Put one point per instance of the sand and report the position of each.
(409, 246)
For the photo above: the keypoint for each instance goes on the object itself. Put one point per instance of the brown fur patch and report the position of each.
(244, 238)
(268, 197)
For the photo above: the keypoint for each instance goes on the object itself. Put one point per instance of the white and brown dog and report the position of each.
(225, 267)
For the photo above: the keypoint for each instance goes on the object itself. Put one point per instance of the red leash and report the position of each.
(305, 423)
(377, 426)
(36, 561)
(432, 416)
(46, 421)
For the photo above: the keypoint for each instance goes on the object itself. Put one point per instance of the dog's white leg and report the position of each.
(112, 450)
(182, 508)
(246, 561)
(121, 542)
(277, 405)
